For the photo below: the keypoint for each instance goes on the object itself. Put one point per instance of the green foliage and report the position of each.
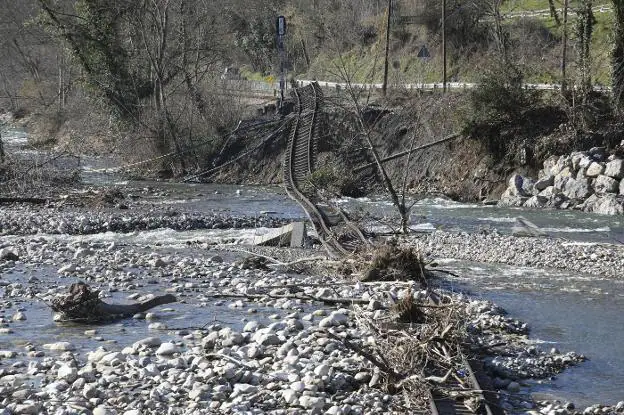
(500, 96)
(617, 55)
(499, 100)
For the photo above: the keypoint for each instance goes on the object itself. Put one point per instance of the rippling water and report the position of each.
(573, 312)
(570, 311)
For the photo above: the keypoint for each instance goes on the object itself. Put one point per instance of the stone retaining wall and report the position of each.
(590, 181)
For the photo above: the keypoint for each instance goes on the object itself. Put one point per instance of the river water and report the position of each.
(569, 311)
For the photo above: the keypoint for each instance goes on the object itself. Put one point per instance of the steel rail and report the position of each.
(441, 404)
(298, 165)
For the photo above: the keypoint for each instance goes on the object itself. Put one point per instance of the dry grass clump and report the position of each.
(396, 263)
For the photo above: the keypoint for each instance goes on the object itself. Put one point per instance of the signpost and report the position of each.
(281, 34)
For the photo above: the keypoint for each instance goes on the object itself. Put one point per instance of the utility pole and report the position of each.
(384, 87)
(281, 33)
(444, 45)
(564, 46)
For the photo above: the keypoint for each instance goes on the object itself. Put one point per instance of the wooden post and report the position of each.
(564, 46)
(385, 80)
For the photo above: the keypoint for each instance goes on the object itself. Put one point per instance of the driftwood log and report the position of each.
(83, 304)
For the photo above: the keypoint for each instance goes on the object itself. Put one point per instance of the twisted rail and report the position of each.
(298, 167)
(484, 401)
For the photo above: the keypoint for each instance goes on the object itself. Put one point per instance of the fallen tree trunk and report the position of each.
(82, 304)
(32, 200)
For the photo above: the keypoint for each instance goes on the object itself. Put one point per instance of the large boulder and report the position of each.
(536, 201)
(615, 169)
(556, 201)
(511, 198)
(608, 204)
(585, 161)
(577, 189)
(561, 180)
(605, 184)
(544, 182)
(576, 159)
(549, 167)
(520, 186)
(595, 169)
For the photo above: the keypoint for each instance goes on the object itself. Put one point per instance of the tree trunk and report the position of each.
(82, 304)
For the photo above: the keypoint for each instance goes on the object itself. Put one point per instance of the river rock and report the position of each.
(595, 169)
(536, 202)
(167, 349)
(60, 346)
(615, 169)
(148, 342)
(252, 326)
(312, 402)
(67, 373)
(336, 318)
(577, 189)
(90, 391)
(7, 254)
(550, 167)
(29, 408)
(544, 182)
(104, 410)
(290, 396)
(82, 253)
(67, 269)
(607, 204)
(19, 316)
(605, 184)
(265, 338)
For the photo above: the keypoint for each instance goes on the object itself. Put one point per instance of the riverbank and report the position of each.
(216, 351)
(295, 357)
(551, 253)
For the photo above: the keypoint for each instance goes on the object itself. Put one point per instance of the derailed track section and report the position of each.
(479, 399)
(339, 236)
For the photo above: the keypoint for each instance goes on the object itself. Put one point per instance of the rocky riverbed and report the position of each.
(592, 259)
(286, 353)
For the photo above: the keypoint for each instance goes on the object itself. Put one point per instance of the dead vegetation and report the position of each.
(418, 349)
(390, 262)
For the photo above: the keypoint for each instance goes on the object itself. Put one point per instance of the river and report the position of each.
(564, 310)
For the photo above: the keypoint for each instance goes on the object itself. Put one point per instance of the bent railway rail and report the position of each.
(299, 161)
(484, 401)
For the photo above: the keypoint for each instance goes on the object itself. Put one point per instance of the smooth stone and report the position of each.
(322, 370)
(290, 396)
(252, 326)
(245, 388)
(19, 316)
(67, 373)
(297, 386)
(149, 342)
(60, 346)
(167, 349)
(104, 410)
(513, 387)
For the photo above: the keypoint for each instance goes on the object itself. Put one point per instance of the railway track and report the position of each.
(339, 239)
(482, 399)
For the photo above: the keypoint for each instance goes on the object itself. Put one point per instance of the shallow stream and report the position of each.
(582, 313)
